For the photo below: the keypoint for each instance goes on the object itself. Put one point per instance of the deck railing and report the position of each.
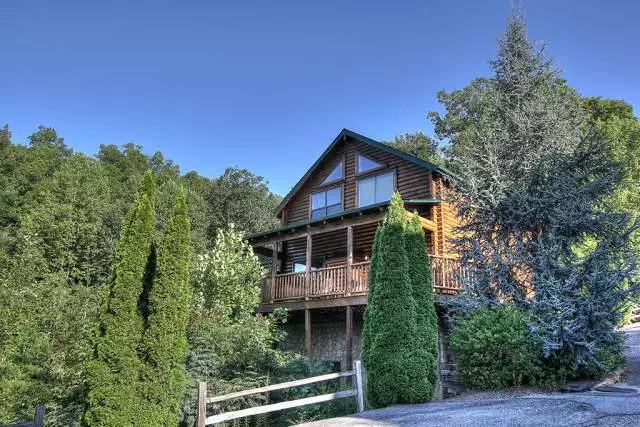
(332, 281)
(289, 286)
(360, 272)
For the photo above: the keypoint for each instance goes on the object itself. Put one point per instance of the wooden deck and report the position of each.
(333, 282)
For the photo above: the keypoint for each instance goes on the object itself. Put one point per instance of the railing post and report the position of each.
(274, 270)
(349, 335)
(357, 366)
(307, 276)
(38, 419)
(349, 259)
(202, 403)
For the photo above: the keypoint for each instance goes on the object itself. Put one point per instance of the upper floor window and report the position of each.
(335, 175)
(366, 164)
(328, 202)
(375, 189)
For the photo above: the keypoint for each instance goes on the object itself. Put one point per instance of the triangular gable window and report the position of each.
(335, 174)
(365, 164)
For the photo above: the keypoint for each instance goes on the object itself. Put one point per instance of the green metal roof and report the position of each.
(383, 147)
(347, 212)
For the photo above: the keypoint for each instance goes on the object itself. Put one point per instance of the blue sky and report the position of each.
(266, 85)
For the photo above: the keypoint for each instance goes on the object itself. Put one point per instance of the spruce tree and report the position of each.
(396, 372)
(537, 229)
(113, 372)
(422, 291)
(165, 340)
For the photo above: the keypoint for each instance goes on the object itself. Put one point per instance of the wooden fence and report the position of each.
(38, 419)
(203, 400)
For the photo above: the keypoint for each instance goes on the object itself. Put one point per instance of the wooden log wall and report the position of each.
(445, 217)
(412, 181)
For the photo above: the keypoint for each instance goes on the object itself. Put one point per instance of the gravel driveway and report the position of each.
(537, 409)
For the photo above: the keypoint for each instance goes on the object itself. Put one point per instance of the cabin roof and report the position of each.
(383, 147)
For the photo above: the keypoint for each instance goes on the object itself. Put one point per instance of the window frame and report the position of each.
(334, 181)
(325, 190)
(394, 177)
(368, 171)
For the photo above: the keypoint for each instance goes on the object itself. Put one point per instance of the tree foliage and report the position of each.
(231, 348)
(61, 214)
(422, 292)
(417, 144)
(114, 370)
(228, 276)
(239, 197)
(536, 230)
(397, 366)
(165, 337)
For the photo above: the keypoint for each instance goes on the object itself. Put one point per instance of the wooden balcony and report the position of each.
(333, 282)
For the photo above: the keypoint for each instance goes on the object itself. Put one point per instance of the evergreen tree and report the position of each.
(422, 291)
(113, 372)
(165, 340)
(396, 371)
(535, 228)
(368, 331)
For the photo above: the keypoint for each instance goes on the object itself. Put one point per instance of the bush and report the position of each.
(495, 349)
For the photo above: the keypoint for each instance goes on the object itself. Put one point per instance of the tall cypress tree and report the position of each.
(422, 291)
(368, 331)
(396, 373)
(113, 372)
(165, 340)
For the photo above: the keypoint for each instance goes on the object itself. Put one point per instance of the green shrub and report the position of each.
(495, 349)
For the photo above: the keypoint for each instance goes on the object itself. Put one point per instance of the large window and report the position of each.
(375, 189)
(328, 202)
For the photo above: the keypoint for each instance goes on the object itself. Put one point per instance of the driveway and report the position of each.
(616, 408)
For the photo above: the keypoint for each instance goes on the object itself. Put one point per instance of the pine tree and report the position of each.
(535, 228)
(422, 291)
(396, 372)
(165, 339)
(113, 373)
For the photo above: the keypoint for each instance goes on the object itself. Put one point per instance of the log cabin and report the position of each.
(318, 258)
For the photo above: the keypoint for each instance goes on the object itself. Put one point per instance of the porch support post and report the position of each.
(274, 269)
(349, 335)
(307, 276)
(349, 262)
(307, 330)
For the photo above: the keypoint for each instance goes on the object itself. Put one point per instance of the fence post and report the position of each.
(357, 366)
(38, 419)
(202, 403)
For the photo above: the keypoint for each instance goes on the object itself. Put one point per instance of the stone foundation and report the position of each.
(328, 342)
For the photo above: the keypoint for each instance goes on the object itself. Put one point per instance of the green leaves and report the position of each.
(227, 278)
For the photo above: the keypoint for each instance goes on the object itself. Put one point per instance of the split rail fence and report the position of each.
(203, 400)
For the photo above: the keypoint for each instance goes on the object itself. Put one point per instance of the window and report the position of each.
(366, 164)
(324, 203)
(335, 175)
(297, 267)
(375, 189)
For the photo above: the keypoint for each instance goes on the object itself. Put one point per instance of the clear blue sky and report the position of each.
(266, 85)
